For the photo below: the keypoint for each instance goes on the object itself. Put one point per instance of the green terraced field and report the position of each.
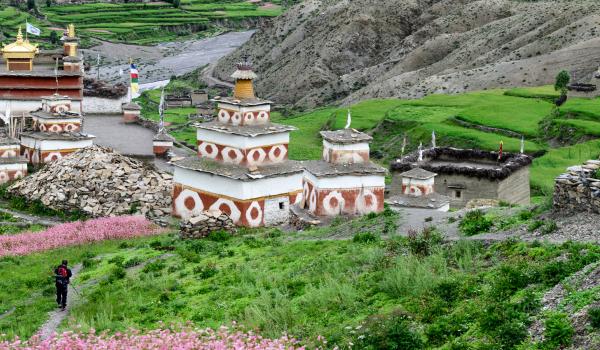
(141, 23)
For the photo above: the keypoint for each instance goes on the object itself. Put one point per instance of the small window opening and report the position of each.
(281, 205)
(457, 194)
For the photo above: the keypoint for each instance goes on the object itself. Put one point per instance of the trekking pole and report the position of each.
(76, 291)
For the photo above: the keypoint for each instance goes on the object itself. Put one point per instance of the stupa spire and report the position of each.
(244, 77)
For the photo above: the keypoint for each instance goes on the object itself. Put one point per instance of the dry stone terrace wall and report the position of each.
(576, 191)
(100, 182)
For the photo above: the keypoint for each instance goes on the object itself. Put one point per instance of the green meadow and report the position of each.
(358, 290)
(456, 120)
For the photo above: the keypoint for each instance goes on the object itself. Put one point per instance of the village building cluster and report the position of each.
(242, 168)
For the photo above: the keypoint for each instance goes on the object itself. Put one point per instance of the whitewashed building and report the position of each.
(242, 166)
(12, 166)
(56, 132)
(345, 181)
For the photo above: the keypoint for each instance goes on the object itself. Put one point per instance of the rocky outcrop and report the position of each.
(577, 190)
(100, 182)
(326, 51)
(202, 225)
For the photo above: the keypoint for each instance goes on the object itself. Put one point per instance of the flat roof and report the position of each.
(12, 160)
(467, 162)
(5, 140)
(62, 115)
(418, 173)
(65, 136)
(345, 136)
(243, 102)
(321, 168)
(238, 172)
(245, 130)
(430, 201)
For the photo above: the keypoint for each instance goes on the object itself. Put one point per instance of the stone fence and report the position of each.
(577, 190)
(202, 225)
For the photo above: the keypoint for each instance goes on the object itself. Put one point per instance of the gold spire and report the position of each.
(20, 48)
(19, 36)
(71, 30)
(244, 85)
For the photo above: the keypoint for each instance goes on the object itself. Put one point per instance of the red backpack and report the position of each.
(62, 271)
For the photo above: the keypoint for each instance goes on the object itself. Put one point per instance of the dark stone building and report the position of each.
(464, 174)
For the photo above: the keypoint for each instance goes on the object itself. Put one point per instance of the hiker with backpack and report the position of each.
(62, 274)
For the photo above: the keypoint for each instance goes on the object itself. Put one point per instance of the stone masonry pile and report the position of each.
(100, 182)
(200, 226)
(577, 191)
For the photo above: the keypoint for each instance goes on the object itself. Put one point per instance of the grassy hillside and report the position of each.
(456, 120)
(141, 23)
(363, 291)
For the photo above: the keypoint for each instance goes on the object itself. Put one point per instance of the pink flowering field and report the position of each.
(76, 233)
(185, 338)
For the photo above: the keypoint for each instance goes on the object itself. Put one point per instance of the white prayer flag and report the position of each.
(32, 29)
(433, 139)
(348, 120)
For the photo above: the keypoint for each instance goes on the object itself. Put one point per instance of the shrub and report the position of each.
(365, 237)
(219, 236)
(525, 215)
(549, 227)
(594, 315)
(206, 271)
(390, 332)
(117, 273)
(154, 266)
(117, 260)
(559, 331)
(535, 225)
(422, 244)
(475, 222)
(134, 261)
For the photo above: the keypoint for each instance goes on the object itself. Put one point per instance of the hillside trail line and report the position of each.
(56, 317)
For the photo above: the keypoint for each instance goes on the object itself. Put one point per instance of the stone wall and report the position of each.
(576, 191)
(203, 224)
(102, 105)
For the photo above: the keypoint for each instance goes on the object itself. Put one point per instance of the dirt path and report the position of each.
(56, 317)
(160, 62)
(31, 218)
(210, 79)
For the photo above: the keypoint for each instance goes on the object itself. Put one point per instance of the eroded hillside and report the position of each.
(324, 51)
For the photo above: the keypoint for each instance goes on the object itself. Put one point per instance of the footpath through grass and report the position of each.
(366, 290)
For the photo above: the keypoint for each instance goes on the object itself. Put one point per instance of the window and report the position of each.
(457, 194)
(281, 205)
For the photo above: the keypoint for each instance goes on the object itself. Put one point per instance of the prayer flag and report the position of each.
(135, 87)
(32, 29)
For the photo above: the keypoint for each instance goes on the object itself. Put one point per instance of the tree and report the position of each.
(30, 4)
(48, 3)
(176, 3)
(53, 37)
(562, 81)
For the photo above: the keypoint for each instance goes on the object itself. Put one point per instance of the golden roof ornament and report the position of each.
(20, 48)
(71, 30)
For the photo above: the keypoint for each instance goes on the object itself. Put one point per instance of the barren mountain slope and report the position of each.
(324, 51)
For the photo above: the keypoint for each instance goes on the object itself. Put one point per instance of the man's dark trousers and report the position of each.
(61, 294)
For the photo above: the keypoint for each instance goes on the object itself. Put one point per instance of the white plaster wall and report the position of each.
(225, 186)
(55, 121)
(352, 147)
(273, 213)
(13, 166)
(53, 145)
(346, 181)
(162, 143)
(25, 106)
(243, 109)
(243, 142)
(99, 105)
